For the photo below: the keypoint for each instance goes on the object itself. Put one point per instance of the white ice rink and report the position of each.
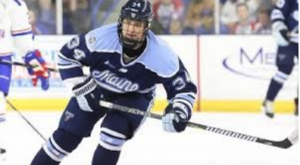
(152, 146)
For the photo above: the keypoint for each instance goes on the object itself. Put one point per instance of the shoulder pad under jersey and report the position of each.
(159, 57)
(104, 39)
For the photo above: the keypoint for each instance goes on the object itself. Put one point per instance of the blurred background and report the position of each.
(226, 45)
(229, 52)
(171, 17)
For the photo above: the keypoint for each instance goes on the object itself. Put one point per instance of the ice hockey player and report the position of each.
(126, 62)
(16, 34)
(284, 18)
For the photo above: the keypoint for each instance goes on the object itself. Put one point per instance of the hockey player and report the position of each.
(126, 61)
(285, 29)
(15, 32)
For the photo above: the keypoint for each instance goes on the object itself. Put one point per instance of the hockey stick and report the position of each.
(27, 121)
(12, 106)
(24, 65)
(286, 143)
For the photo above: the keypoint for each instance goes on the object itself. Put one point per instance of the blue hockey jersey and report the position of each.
(285, 16)
(101, 51)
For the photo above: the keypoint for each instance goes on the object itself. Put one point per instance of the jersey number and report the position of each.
(134, 4)
(179, 83)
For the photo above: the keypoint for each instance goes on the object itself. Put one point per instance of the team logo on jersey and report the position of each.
(133, 15)
(281, 57)
(68, 115)
(112, 82)
(73, 43)
(92, 40)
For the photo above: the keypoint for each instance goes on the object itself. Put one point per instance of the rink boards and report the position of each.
(232, 74)
(252, 106)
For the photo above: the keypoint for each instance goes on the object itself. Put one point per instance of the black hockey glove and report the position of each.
(285, 34)
(282, 37)
(174, 119)
(87, 95)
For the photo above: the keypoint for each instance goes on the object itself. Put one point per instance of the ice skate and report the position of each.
(268, 109)
(2, 154)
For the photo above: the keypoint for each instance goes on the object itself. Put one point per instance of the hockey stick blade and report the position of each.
(24, 65)
(286, 143)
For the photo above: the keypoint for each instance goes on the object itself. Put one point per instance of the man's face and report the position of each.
(133, 29)
(242, 12)
(207, 20)
(263, 19)
(175, 26)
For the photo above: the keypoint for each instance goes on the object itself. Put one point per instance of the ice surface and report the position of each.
(153, 146)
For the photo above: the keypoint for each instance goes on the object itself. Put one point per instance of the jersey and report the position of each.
(15, 29)
(101, 51)
(285, 16)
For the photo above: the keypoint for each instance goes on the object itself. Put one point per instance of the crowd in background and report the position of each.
(174, 17)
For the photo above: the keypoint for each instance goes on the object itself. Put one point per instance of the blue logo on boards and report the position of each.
(256, 64)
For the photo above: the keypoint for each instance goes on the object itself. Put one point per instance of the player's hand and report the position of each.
(38, 71)
(282, 37)
(87, 95)
(174, 119)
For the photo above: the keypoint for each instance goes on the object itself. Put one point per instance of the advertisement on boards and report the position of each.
(240, 68)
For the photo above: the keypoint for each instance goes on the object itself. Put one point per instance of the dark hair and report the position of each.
(264, 10)
(242, 5)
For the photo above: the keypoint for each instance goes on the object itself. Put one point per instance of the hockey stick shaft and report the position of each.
(26, 120)
(286, 143)
(24, 65)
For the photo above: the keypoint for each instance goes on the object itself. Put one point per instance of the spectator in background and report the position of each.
(47, 16)
(33, 5)
(176, 26)
(229, 17)
(76, 16)
(192, 19)
(222, 2)
(263, 25)
(193, 22)
(253, 8)
(244, 24)
(266, 4)
(165, 10)
(274, 2)
(32, 21)
(157, 27)
(207, 22)
(38, 27)
(69, 7)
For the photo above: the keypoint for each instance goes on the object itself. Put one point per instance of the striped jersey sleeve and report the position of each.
(181, 91)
